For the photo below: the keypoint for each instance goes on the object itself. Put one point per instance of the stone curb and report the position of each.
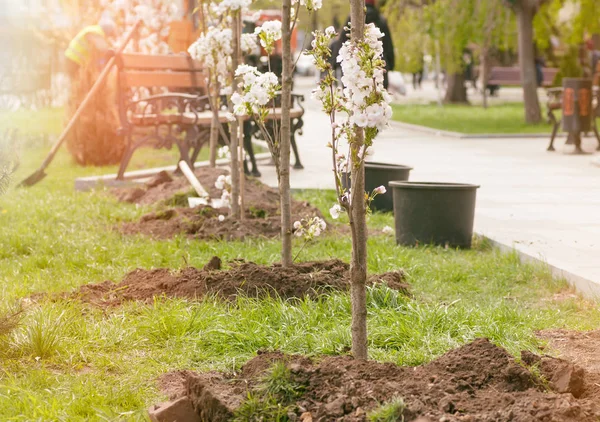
(83, 184)
(586, 287)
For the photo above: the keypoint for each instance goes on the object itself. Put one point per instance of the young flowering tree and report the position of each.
(308, 229)
(219, 49)
(259, 91)
(364, 105)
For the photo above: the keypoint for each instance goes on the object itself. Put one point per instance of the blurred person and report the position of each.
(373, 16)
(90, 44)
(417, 77)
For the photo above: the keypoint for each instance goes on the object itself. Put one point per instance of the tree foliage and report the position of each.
(417, 25)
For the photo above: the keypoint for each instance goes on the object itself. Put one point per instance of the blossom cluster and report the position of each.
(226, 5)
(257, 90)
(268, 33)
(224, 183)
(214, 49)
(310, 5)
(156, 16)
(363, 72)
(309, 228)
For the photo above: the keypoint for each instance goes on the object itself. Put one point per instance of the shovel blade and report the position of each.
(33, 179)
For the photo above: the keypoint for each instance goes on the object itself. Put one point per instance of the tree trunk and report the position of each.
(358, 221)
(214, 135)
(525, 13)
(438, 73)
(485, 67)
(286, 100)
(456, 91)
(234, 141)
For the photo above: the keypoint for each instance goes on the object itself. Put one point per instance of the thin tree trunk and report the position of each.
(284, 151)
(438, 71)
(456, 91)
(525, 13)
(484, 74)
(214, 135)
(358, 264)
(234, 141)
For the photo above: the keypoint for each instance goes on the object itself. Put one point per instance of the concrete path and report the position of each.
(545, 205)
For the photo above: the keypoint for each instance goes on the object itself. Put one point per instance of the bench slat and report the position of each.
(175, 62)
(203, 118)
(162, 79)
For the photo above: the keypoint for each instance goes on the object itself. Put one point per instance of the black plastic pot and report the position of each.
(380, 174)
(434, 213)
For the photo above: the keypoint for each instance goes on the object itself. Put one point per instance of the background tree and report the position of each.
(525, 11)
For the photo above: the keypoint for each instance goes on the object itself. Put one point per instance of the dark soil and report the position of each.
(476, 382)
(581, 348)
(303, 279)
(170, 193)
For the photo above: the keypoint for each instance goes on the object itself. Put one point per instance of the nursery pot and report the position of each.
(434, 213)
(380, 174)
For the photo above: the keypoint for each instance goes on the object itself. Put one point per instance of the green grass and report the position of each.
(70, 361)
(470, 119)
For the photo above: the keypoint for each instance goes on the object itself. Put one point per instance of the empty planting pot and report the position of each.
(380, 174)
(434, 213)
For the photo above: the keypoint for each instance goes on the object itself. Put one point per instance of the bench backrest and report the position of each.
(169, 71)
(512, 76)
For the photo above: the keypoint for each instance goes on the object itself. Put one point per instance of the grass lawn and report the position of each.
(474, 119)
(75, 362)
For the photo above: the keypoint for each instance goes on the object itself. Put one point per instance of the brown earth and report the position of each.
(170, 193)
(303, 279)
(476, 382)
(581, 348)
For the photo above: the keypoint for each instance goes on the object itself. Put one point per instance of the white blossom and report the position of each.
(380, 190)
(387, 230)
(309, 4)
(335, 211)
(221, 217)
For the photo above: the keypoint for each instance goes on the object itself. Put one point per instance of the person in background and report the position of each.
(91, 43)
(417, 77)
(373, 16)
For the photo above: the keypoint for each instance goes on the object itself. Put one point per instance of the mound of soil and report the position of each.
(476, 382)
(581, 348)
(170, 193)
(303, 279)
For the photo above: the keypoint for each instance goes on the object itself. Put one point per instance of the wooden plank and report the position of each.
(163, 79)
(177, 62)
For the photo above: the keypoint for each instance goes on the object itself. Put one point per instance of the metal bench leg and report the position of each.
(296, 127)
(297, 165)
(126, 158)
(595, 126)
(556, 124)
(250, 150)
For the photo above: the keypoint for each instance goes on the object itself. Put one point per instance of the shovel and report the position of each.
(39, 173)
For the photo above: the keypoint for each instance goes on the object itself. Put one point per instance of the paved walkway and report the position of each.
(546, 205)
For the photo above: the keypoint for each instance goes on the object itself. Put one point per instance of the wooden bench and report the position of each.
(162, 102)
(511, 76)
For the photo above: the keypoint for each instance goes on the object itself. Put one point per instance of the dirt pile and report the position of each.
(582, 349)
(476, 382)
(303, 279)
(170, 193)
